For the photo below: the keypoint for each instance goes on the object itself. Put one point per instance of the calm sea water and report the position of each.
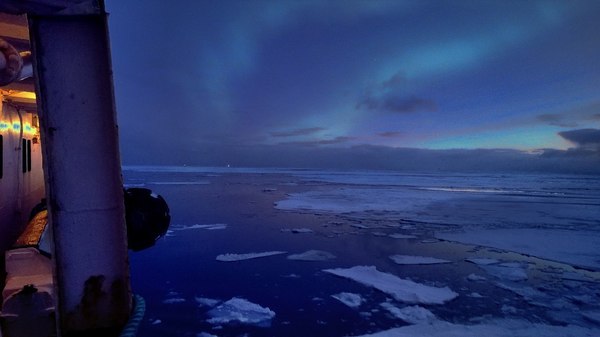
(354, 215)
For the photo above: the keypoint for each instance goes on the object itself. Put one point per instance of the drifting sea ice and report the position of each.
(229, 257)
(412, 314)
(174, 300)
(401, 236)
(205, 334)
(593, 316)
(402, 290)
(312, 255)
(350, 299)
(242, 311)
(508, 271)
(482, 261)
(408, 259)
(197, 226)
(493, 328)
(298, 230)
(577, 248)
(206, 302)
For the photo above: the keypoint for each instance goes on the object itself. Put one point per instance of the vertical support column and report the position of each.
(83, 172)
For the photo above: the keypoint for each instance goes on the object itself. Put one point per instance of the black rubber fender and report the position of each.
(147, 217)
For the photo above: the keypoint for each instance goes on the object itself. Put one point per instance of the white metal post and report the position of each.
(82, 172)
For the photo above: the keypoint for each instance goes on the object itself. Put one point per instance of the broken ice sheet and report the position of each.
(230, 257)
(239, 310)
(350, 299)
(411, 314)
(174, 300)
(482, 261)
(215, 226)
(506, 271)
(493, 328)
(401, 289)
(298, 230)
(401, 236)
(312, 255)
(206, 302)
(409, 259)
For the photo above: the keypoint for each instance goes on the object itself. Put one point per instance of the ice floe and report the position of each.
(206, 302)
(198, 226)
(510, 271)
(174, 300)
(230, 257)
(506, 271)
(401, 289)
(593, 316)
(242, 311)
(312, 255)
(298, 230)
(350, 299)
(529, 294)
(401, 236)
(482, 261)
(475, 278)
(412, 314)
(493, 328)
(205, 334)
(408, 259)
(578, 248)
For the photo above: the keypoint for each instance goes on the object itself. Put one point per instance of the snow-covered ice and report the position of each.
(205, 334)
(475, 278)
(298, 230)
(482, 261)
(593, 316)
(312, 255)
(578, 248)
(493, 328)
(409, 259)
(206, 302)
(174, 300)
(350, 299)
(242, 311)
(401, 289)
(230, 257)
(412, 314)
(198, 226)
(506, 271)
(402, 236)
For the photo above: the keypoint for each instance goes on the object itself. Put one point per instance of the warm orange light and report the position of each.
(22, 94)
(16, 127)
(18, 94)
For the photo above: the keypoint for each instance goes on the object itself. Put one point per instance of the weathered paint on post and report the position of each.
(82, 172)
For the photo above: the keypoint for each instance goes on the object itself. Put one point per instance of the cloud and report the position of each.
(595, 117)
(297, 132)
(392, 102)
(318, 142)
(556, 119)
(390, 134)
(394, 81)
(583, 138)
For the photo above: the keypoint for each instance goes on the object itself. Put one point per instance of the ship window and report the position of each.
(26, 155)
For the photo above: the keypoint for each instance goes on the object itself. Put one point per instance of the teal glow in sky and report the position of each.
(216, 79)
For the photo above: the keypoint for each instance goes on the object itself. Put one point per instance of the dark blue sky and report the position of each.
(274, 83)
